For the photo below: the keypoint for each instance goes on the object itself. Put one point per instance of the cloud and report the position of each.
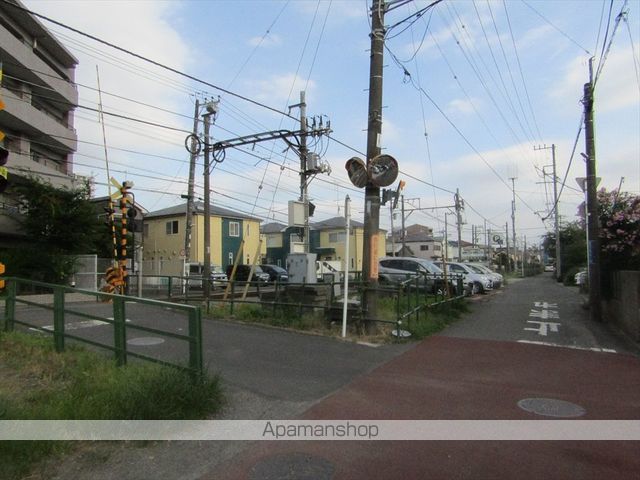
(269, 41)
(463, 106)
(276, 89)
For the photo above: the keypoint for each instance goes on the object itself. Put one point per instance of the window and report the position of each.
(424, 248)
(145, 233)
(234, 229)
(172, 227)
(337, 237)
(437, 248)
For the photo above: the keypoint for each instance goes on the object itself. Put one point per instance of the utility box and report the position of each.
(302, 267)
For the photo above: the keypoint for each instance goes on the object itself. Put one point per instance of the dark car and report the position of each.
(243, 271)
(276, 273)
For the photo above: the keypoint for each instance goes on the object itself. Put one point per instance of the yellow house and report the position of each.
(331, 241)
(231, 234)
(327, 241)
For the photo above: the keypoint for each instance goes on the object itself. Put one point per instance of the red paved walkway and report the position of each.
(449, 378)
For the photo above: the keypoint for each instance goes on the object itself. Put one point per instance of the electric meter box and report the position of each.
(302, 267)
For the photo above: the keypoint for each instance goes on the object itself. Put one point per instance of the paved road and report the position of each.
(503, 352)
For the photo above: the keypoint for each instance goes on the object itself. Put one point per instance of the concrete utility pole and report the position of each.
(212, 110)
(506, 242)
(556, 217)
(303, 170)
(374, 130)
(459, 223)
(513, 222)
(190, 190)
(593, 227)
(393, 240)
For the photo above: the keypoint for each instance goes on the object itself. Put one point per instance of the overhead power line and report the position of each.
(146, 59)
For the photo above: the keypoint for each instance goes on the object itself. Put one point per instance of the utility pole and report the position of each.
(593, 227)
(303, 170)
(190, 191)
(556, 218)
(393, 240)
(459, 222)
(212, 110)
(506, 242)
(513, 222)
(374, 130)
(403, 234)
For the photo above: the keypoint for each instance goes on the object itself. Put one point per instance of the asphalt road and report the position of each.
(511, 345)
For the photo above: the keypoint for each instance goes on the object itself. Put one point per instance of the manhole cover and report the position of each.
(292, 466)
(550, 407)
(145, 341)
(403, 333)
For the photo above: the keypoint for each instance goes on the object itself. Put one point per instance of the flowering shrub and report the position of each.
(619, 214)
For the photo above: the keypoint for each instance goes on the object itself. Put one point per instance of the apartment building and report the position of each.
(40, 97)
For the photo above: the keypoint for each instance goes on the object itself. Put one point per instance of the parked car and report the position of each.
(495, 277)
(243, 271)
(276, 273)
(581, 278)
(395, 270)
(475, 282)
(195, 272)
(549, 268)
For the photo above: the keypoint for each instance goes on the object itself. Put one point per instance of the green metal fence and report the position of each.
(54, 299)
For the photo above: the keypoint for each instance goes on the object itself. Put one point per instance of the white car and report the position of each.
(474, 281)
(494, 276)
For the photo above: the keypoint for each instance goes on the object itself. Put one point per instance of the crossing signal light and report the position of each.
(2, 270)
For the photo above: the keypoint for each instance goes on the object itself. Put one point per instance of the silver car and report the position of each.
(475, 282)
(495, 277)
(395, 270)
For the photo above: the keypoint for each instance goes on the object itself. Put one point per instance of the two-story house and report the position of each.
(231, 233)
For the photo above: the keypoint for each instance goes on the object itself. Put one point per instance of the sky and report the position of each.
(473, 92)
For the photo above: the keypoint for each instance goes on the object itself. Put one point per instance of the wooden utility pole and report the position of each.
(372, 192)
(593, 227)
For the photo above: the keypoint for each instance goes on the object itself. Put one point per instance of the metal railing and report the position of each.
(65, 302)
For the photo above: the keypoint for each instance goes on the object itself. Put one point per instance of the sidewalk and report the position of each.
(477, 369)
(451, 378)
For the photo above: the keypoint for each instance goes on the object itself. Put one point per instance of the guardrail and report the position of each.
(53, 298)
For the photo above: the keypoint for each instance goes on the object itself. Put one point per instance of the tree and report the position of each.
(58, 224)
(573, 251)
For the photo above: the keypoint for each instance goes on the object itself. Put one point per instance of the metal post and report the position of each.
(10, 305)
(58, 318)
(513, 223)
(347, 216)
(403, 230)
(119, 330)
(374, 131)
(593, 224)
(195, 343)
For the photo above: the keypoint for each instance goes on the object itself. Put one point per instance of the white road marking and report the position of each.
(544, 314)
(574, 347)
(77, 325)
(543, 327)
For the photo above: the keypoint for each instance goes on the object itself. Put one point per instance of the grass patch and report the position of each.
(435, 319)
(40, 384)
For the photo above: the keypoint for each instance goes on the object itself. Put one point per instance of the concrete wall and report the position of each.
(623, 310)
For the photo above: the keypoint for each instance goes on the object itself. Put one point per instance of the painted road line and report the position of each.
(573, 347)
(543, 327)
(77, 325)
